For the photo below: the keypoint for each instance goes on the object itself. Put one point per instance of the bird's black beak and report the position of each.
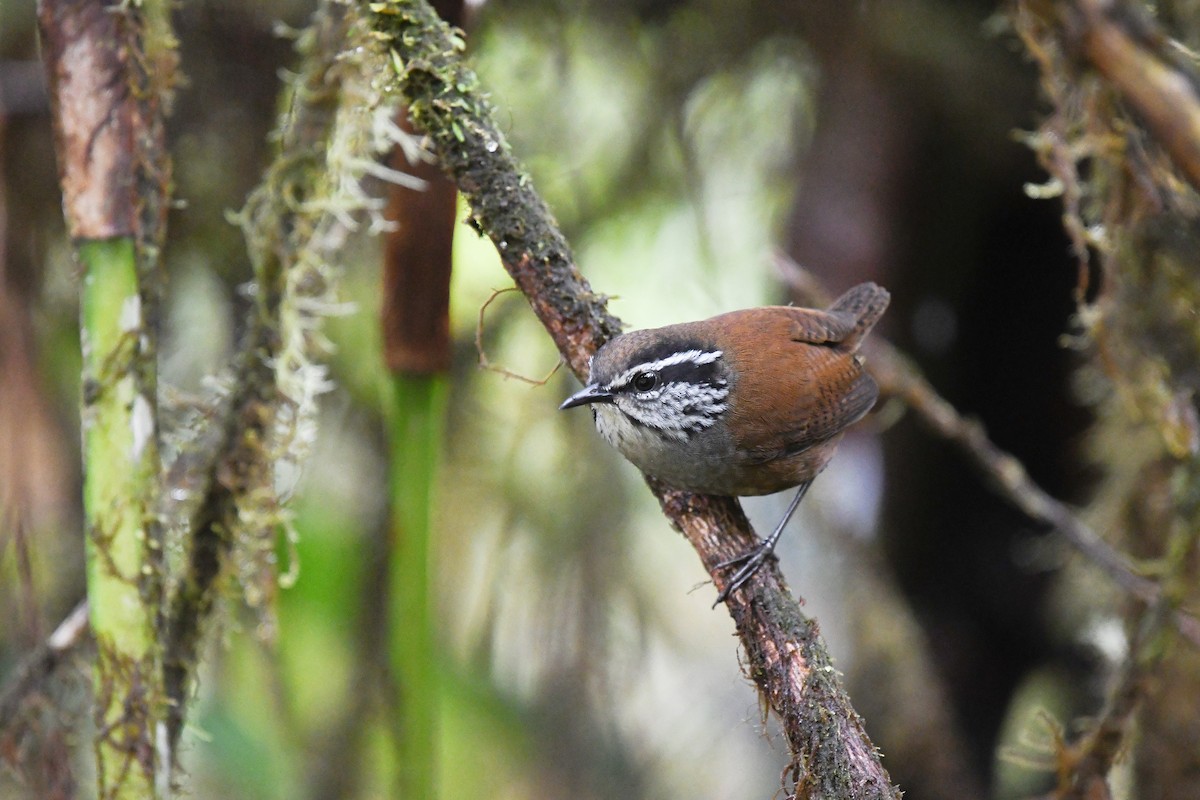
(588, 394)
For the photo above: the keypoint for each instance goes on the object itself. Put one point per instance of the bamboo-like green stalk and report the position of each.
(115, 176)
(120, 466)
(416, 422)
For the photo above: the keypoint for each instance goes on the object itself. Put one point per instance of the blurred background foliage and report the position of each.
(680, 144)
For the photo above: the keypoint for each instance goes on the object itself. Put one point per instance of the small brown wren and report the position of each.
(750, 402)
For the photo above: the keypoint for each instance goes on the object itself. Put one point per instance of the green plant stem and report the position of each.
(416, 422)
(120, 466)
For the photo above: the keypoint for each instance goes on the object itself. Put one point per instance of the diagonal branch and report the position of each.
(899, 378)
(1123, 43)
(785, 655)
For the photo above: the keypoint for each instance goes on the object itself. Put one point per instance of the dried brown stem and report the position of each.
(416, 268)
(785, 655)
(1124, 45)
(95, 131)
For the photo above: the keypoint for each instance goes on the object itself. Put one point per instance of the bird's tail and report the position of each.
(864, 304)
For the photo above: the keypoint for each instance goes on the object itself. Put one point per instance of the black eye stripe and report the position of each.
(699, 367)
(691, 373)
(698, 374)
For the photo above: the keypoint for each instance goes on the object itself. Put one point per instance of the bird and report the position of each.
(746, 403)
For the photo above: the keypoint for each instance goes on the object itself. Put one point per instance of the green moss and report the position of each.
(444, 100)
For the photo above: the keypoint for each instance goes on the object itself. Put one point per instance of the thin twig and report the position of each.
(899, 378)
(484, 363)
(38, 667)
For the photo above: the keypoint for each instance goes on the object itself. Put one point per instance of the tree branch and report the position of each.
(230, 468)
(1123, 43)
(785, 655)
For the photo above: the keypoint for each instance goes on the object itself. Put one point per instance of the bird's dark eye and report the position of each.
(645, 381)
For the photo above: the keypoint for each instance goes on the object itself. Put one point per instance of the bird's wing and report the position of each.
(847, 320)
(814, 387)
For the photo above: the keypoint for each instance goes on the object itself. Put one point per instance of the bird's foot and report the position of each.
(750, 562)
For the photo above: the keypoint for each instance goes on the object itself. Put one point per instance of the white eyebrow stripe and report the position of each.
(697, 357)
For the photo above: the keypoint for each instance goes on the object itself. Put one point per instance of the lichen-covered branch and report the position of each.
(1121, 41)
(447, 104)
(1128, 183)
(293, 222)
(832, 756)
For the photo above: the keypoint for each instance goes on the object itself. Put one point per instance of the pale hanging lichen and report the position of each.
(237, 450)
(313, 198)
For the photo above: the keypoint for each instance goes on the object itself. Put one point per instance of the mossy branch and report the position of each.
(262, 418)
(1128, 183)
(785, 655)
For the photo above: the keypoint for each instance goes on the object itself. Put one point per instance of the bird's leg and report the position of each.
(753, 558)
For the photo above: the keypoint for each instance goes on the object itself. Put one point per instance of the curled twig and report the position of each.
(484, 363)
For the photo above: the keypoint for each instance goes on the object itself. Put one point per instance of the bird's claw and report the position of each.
(750, 561)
